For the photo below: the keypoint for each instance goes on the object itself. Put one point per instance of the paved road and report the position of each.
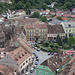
(42, 57)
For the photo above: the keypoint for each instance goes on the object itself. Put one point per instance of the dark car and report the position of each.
(52, 53)
(36, 56)
(49, 53)
(38, 49)
(33, 53)
(34, 66)
(37, 59)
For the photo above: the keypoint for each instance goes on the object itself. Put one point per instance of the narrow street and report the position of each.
(42, 57)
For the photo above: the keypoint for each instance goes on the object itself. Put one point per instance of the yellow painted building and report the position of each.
(36, 31)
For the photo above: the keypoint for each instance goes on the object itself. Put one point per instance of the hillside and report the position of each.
(38, 4)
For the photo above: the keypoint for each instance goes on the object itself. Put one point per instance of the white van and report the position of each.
(27, 73)
(32, 69)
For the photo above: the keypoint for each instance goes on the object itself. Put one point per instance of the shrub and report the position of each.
(44, 49)
(46, 44)
(42, 42)
(66, 46)
(74, 46)
(51, 45)
(56, 46)
(37, 46)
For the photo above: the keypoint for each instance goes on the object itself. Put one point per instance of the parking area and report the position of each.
(42, 56)
(39, 57)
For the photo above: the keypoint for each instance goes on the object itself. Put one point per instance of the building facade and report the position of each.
(35, 29)
(69, 28)
(54, 30)
(36, 32)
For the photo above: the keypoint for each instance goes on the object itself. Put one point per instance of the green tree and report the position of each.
(74, 47)
(69, 5)
(48, 1)
(44, 6)
(44, 18)
(53, 16)
(19, 5)
(59, 18)
(65, 39)
(46, 44)
(64, 7)
(71, 41)
(51, 45)
(56, 46)
(28, 5)
(58, 40)
(35, 15)
(28, 11)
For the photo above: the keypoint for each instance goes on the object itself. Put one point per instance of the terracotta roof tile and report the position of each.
(4, 70)
(56, 61)
(25, 45)
(69, 68)
(19, 55)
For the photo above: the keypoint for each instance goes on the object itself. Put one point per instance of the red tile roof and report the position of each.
(73, 9)
(58, 12)
(4, 70)
(25, 45)
(37, 25)
(63, 18)
(19, 55)
(70, 52)
(56, 61)
(69, 68)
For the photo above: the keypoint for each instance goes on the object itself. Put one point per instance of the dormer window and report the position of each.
(19, 56)
(16, 59)
(69, 25)
(22, 54)
(25, 52)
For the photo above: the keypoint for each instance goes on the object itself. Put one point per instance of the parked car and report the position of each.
(38, 49)
(35, 48)
(36, 56)
(36, 63)
(27, 73)
(34, 66)
(37, 59)
(34, 53)
(32, 69)
(49, 53)
(52, 53)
